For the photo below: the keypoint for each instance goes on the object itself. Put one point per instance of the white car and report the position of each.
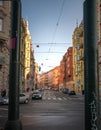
(23, 98)
(5, 100)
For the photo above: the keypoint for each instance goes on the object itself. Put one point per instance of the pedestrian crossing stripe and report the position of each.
(54, 98)
(60, 98)
(64, 98)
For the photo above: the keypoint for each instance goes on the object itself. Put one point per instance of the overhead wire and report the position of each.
(49, 52)
(54, 34)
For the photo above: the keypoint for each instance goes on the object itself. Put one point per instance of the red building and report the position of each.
(66, 70)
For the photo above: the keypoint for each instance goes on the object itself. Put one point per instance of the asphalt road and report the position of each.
(56, 111)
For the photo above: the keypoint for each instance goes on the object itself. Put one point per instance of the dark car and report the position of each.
(72, 93)
(65, 91)
(37, 95)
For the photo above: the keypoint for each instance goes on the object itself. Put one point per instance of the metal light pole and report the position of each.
(91, 66)
(13, 122)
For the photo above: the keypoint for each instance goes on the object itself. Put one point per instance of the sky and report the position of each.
(51, 25)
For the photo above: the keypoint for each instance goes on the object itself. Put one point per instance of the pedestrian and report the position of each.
(3, 93)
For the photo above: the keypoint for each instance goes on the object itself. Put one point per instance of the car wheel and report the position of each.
(26, 101)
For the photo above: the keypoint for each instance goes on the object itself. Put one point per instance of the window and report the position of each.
(78, 35)
(78, 46)
(68, 58)
(1, 24)
(1, 2)
(78, 68)
(78, 57)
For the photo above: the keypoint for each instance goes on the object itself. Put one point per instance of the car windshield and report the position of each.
(36, 93)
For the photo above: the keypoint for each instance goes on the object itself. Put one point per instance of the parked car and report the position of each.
(72, 93)
(6, 100)
(24, 98)
(1, 100)
(37, 95)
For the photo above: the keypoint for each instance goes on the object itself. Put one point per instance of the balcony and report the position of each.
(79, 46)
(82, 58)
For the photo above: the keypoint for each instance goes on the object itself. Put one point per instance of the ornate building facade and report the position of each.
(5, 11)
(78, 58)
(28, 42)
(22, 56)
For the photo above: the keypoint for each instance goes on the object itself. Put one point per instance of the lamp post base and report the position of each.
(13, 125)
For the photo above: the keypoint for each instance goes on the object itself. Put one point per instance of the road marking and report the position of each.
(54, 98)
(64, 98)
(59, 98)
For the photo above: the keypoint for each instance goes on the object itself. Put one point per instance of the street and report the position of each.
(55, 111)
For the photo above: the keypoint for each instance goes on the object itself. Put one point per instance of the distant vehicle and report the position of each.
(72, 93)
(55, 89)
(65, 91)
(36, 95)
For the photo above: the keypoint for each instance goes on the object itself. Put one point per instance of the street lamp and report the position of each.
(13, 122)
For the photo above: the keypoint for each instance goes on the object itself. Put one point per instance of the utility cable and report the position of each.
(54, 34)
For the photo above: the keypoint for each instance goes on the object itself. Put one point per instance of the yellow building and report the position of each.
(32, 68)
(25, 56)
(28, 42)
(78, 58)
(22, 56)
(5, 11)
(36, 71)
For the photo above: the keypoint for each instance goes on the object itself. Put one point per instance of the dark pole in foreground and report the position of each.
(13, 122)
(91, 66)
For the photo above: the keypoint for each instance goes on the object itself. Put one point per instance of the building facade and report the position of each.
(32, 68)
(78, 58)
(99, 43)
(36, 72)
(25, 59)
(69, 69)
(22, 56)
(50, 79)
(66, 70)
(5, 29)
